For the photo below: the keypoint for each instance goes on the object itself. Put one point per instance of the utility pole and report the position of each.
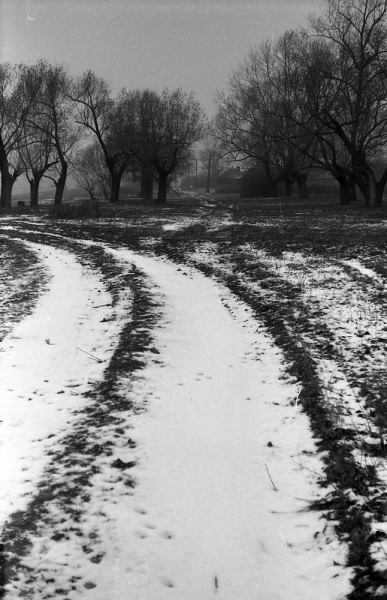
(208, 174)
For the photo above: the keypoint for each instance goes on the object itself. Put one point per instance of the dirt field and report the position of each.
(312, 276)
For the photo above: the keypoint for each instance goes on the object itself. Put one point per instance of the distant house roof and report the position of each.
(231, 173)
(252, 172)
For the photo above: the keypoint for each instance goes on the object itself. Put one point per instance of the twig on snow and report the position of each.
(270, 477)
(100, 305)
(88, 353)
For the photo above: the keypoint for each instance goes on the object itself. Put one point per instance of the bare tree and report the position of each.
(98, 113)
(91, 172)
(37, 156)
(160, 131)
(294, 93)
(147, 181)
(254, 120)
(240, 124)
(17, 96)
(352, 37)
(51, 122)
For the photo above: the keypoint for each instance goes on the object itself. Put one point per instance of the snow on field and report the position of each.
(224, 461)
(329, 289)
(219, 425)
(331, 292)
(347, 298)
(178, 225)
(44, 370)
(355, 264)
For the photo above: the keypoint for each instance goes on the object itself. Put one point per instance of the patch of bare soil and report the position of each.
(286, 263)
(56, 510)
(22, 280)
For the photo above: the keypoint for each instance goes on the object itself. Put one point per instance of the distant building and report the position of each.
(253, 184)
(229, 176)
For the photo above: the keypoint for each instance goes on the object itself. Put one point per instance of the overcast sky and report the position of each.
(193, 44)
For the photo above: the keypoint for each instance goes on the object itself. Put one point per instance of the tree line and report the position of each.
(314, 98)
(52, 124)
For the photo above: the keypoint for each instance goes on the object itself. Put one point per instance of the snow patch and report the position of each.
(45, 366)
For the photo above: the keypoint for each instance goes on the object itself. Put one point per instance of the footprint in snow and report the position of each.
(140, 510)
(89, 585)
(167, 535)
(141, 534)
(120, 464)
(167, 582)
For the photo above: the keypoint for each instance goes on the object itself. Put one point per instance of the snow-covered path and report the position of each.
(43, 372)
(205, 520)
(223, 458)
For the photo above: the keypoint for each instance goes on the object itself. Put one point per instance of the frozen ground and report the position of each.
(205, 489)
(341, 301)
(45, 365)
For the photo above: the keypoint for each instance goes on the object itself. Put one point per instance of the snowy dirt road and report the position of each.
(44, 370)
(222, 462)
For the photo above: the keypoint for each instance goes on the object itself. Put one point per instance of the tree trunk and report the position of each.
(362, 183)
(115, 187)
(345, 190)
(34, 182)
(352, 191)
(162, 191)
(379, 194)
(7, 182)
(34, 191)
(272, 183)
(380, 187)
(60, 184)
(301, 184)
(146, 186)
(372, 190)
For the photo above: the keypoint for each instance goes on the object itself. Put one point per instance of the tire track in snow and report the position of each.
(21, 280)
(45, 391)
(307, 334)
(41, 371)
(203, 519)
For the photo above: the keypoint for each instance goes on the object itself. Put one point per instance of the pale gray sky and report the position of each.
(193, 44)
